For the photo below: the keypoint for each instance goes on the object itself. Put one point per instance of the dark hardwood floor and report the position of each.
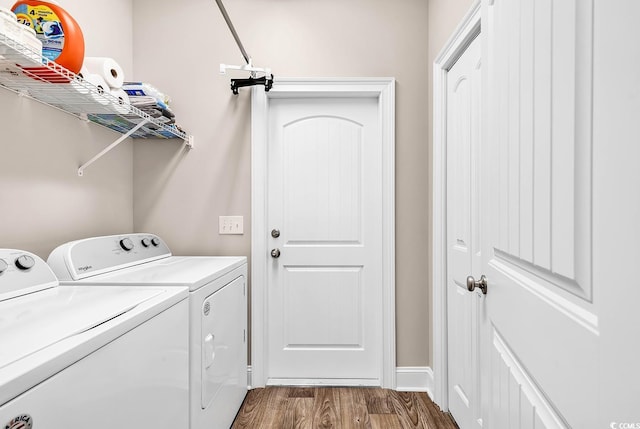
(339, 408)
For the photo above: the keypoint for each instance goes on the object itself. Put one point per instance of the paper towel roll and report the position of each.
(107, 68)
(100, 89)
(122, 106)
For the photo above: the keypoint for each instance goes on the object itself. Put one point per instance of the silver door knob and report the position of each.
(275, 253)
(275, 233)
(473, 283)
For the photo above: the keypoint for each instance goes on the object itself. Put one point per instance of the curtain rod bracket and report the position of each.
(267, 81)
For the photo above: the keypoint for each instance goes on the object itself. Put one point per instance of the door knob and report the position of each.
(473, 283)
(275, 233)
(275, 253)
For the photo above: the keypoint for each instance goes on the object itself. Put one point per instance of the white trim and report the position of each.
(324, 382)
(258, 237)
(408, 379)
(465, 33)
(384, 90)
(415, 379)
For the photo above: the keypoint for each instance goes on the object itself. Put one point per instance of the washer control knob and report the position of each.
(3, 266)
(25, 262)
(155, 241)
(126, 244)
(146, 242)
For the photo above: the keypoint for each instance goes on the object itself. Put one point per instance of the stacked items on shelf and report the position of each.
(42, 49)
(148, 100)
(151, 101)
(116, 108)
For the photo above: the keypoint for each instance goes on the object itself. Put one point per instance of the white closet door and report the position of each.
(463, 230)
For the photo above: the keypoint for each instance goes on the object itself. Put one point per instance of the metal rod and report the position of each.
(111, 146)
(225, 15)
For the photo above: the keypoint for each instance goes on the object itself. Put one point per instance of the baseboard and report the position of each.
(408, 379)
(415, 379)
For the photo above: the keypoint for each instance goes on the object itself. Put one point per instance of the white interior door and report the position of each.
(463, 229)
(540, 319)
(324, 291)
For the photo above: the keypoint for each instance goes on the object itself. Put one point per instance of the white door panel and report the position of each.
(323, 181)
(540, 324)
(341, 321)
(325, 197)
(463, 142)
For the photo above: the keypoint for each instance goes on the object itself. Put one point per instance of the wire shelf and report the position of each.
(24, 71)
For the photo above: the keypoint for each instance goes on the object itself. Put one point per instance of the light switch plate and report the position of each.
(231, 225)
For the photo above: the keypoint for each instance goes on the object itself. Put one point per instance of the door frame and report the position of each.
(384, 90)
(465, 33)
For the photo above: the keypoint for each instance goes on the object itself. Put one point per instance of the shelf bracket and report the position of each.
(111, 146)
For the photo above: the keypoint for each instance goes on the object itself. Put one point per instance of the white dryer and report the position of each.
(100, 358)
(218, 309)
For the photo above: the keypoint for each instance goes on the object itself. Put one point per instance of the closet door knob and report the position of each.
(473, 283)
(275, 253)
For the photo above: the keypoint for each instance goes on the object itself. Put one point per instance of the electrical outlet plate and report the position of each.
(230, 225)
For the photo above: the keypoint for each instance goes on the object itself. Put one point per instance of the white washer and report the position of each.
(76, 358)
(218, 309)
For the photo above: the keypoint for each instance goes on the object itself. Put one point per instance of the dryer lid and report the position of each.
(32, 323)
(189, 271)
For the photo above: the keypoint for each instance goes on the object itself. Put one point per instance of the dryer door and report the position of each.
(224, 348)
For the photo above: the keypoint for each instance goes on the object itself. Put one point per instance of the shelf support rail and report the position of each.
(111, 146)
(267, 80)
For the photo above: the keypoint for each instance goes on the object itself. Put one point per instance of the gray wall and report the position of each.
(157, 186)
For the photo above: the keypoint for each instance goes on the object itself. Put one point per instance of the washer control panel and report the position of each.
(22, 272)
(98, 255)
